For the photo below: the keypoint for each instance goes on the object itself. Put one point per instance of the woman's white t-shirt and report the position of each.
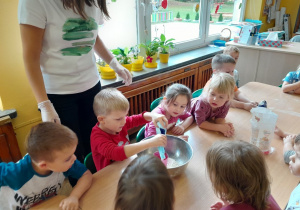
(67, 59)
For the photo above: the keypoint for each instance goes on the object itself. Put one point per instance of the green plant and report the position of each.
(100, 62)
(150, 47)
(197, 16)
(210, 18)
(220, 18)
(164, 44)
(187, 17)
(178, 15)
(122, 55)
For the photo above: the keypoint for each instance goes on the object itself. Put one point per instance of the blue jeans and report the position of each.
(76, 112)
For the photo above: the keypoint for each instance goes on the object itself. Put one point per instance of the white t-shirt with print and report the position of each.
(67, 59)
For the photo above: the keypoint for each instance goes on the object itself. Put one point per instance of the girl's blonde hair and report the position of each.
(238, 173)
(175, 90)
(230, 49)
(223, 83)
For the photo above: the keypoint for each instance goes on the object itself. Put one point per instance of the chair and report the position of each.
(155, 103)
(141, 134)
(89, 163)
(197, 93)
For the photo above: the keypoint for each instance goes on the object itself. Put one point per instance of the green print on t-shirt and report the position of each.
(76, 29)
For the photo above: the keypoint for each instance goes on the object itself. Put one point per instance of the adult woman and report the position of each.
(59, 38)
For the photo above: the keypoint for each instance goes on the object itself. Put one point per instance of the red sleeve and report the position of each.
(135, 120)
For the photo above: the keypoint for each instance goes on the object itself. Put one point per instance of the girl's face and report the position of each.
(294, 164)
(178, 106)
(216, 99)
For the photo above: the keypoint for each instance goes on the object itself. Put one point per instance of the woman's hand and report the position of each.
(121, 71)
(48, 112)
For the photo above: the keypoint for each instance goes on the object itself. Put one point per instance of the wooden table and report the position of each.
(193, 189)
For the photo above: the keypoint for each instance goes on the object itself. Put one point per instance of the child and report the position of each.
(234, 52)
(174, 106)
(41, 172)
(109, 137)
(145, 184)
(214, 103)
(291, 151)
(239, 176)
(291, 83)
(225, 63)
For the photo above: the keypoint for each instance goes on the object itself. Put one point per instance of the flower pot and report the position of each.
(127, 66)
(106, 72)
(151, 61)
(164, 58)
(137, 64)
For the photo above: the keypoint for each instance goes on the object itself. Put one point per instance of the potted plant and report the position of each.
(178, 17)
(187, 17)
(164, 47)
(220, 19)
(137, 60)
(151, 49)
(105, 71)
(123, 56)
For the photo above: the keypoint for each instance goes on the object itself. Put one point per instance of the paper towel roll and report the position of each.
(282, 12)
(277, 17)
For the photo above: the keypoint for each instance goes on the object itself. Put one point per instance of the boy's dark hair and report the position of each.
(238, 172)
(219, 59)
(145, 184)
(47, 137)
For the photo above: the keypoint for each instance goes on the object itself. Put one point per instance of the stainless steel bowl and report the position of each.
(178, 149)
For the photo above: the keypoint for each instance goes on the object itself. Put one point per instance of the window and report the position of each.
(192, 23)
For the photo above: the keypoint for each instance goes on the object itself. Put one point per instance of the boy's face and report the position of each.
(235, 55)
(216, 99)
(227, 68)
(63, 159)
(295, 161)
(113, 122)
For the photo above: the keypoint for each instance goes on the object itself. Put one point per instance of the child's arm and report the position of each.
(294, 87)
(179, 129)
(155, 141)
(226, 128)
(155, 118)
(242, 102)
(83, 184)
(288, 149)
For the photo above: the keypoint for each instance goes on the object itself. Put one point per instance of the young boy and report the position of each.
(225, 63)
(41, 172)
(234, 52)
(291, 82)
(291, 151)
(109, 138)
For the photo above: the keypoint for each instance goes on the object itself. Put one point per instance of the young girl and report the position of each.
(211, 108)
(174, 106)
(291, 83)
(239, 176)
(145, 184)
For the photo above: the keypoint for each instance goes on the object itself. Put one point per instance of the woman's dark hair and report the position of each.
(145, 184)
(78, 6)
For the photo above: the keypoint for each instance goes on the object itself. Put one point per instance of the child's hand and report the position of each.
(217, 206)
(250, 105)
(185, 138)
(69, 203)
(158, 140)
(178, 130)
(159, 118)
(227, 129)
(289, 139)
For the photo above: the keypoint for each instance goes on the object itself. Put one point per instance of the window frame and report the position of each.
(144, 10)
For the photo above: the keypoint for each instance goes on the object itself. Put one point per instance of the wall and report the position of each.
(15, 92)
(254, 10)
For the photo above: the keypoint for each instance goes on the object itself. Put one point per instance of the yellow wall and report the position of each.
(254, 10)
(15, 92)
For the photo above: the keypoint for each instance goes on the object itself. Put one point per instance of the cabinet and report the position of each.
(9, 149)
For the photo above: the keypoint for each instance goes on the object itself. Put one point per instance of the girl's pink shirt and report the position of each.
(150, 129)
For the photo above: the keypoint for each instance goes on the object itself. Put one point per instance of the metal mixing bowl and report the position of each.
(178, 149)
